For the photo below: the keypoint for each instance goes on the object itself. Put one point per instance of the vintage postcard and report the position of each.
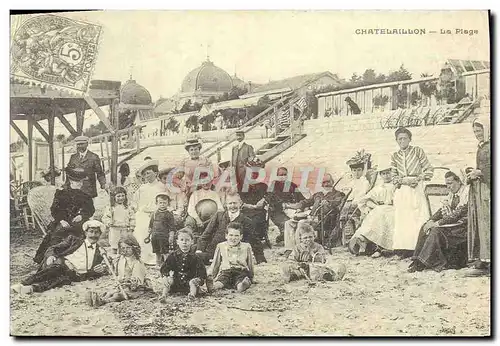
(250, 173)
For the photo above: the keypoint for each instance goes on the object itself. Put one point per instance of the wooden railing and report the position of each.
(259, 119)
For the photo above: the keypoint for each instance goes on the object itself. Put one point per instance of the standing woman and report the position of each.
(409, 167)
(145, 205)
(479, 231)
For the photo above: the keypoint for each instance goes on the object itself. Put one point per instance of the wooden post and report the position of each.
(50, 120)
(108, 156)
(102, 152)
(30, 148)
(114, 143)
(79, 120)
(138, 139)
(62, 163)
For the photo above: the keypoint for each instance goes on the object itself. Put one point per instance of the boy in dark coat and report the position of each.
(183, 271)
(162, 228)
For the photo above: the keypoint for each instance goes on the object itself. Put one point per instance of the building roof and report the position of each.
(207, 77)
(165, 106)
(235, 104)
(134, 94)
(34, 101)
(461, 66)
(290, 84)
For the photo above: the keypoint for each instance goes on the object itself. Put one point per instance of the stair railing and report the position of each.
(257, 120)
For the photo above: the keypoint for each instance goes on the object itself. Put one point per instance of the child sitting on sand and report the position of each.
(232, 265)
(131, 274)
(183, 271)
(306, 252)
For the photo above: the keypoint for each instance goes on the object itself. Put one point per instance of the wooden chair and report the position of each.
(27, 217)
(433, 190)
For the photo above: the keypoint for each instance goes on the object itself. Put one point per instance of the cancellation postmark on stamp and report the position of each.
(56, 51)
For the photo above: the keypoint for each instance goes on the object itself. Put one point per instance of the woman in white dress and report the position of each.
(410, 167)
(378, 224)
(145, 205)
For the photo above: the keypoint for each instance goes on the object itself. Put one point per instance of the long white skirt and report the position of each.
(411, 212)
(378, 226)
(141, 232)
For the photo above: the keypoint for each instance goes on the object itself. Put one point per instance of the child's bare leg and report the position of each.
(194, 287)
(286, 272)
(217, 286)
(159, 259)
(244, 284)
(168, 281)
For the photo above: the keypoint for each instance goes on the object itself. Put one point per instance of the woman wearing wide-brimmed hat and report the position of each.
(189, 164)
(145, 205)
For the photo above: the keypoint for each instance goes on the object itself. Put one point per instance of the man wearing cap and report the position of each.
(72, 260)
(70, 209)
(89, 162)
(242, 152)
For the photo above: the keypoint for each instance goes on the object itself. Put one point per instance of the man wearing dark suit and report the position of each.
(215, 232)
(91, 163)
(70, 208)
(72, 260)
(242, 152)
(442, 242)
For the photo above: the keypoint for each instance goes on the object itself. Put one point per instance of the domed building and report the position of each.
(134, 94)
(203, 82)
(138, 104)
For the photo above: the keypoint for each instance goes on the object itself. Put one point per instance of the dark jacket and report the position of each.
(69, 203)
(185, 267)
(91, 163)
(69, 246)
(240, 157)
(215, 232)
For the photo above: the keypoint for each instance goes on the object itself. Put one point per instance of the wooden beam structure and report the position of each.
(19, 132)
(33, 103)
(41, 130)
(99, 112)
(114, 143)
(51, 148)
(30, 149)
(66, 124)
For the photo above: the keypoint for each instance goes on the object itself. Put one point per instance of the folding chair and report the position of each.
(436, 190)
(39, 201)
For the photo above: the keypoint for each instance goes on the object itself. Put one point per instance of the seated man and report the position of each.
(193, 220)
(442, 242)
(279, 197)
(215, 232)
(321, 203)
(72, 260)
(70, 209)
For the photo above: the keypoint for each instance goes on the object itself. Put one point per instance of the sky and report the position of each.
(159, 48)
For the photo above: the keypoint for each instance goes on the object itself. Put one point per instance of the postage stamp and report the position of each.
(56, 51)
